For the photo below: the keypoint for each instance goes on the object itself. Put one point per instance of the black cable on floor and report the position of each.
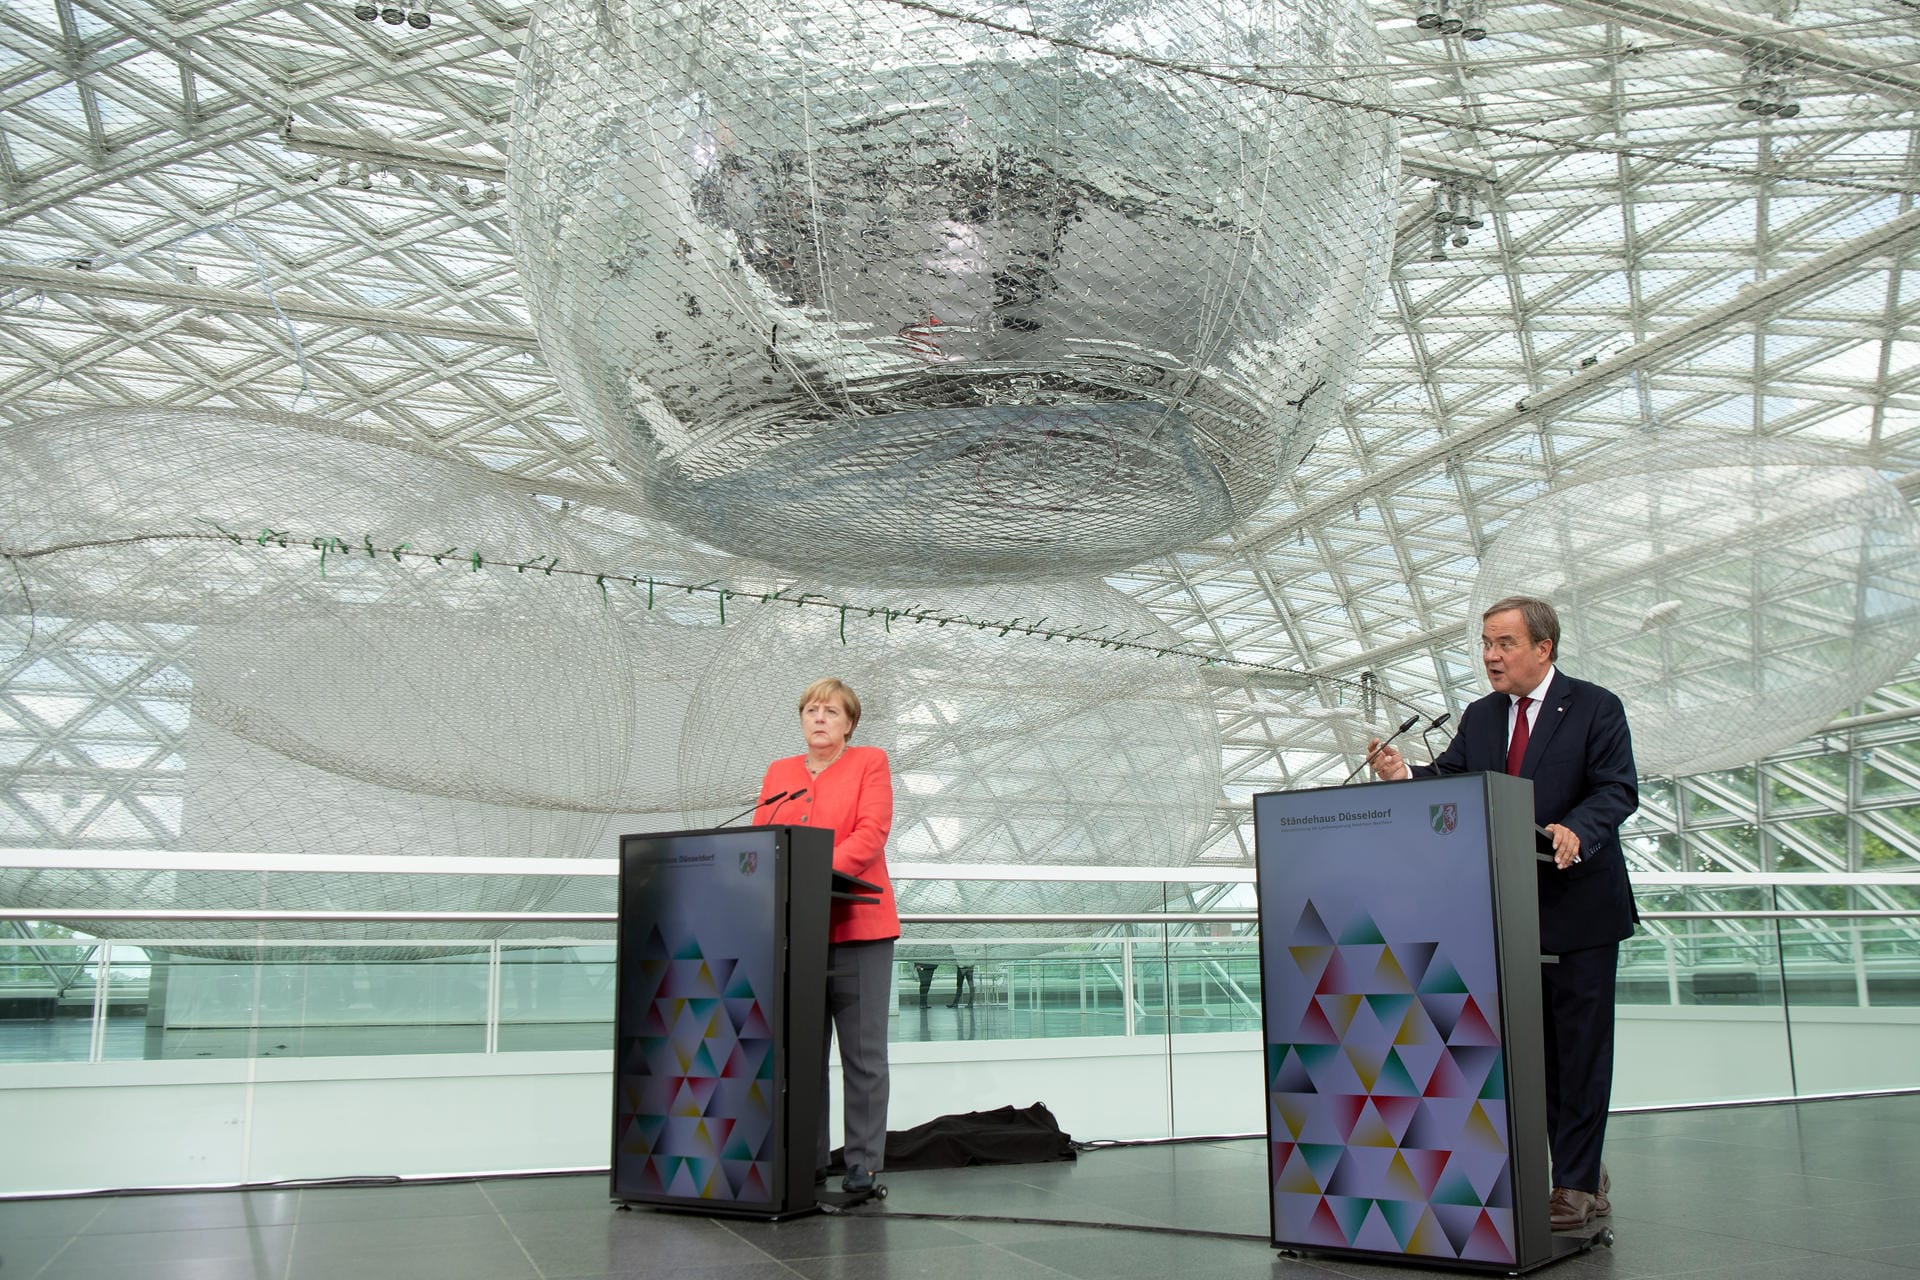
(1110, 1144)
(1045, 1222)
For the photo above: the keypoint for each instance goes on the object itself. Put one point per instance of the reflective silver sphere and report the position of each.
(879, 295)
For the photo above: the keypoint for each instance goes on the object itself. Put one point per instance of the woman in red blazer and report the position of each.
(849, 790)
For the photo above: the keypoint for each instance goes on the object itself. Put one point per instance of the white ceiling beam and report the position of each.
(1755, 301)
(1809, 49)
(294, 306)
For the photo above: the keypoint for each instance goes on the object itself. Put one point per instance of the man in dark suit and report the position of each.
(1571, 738)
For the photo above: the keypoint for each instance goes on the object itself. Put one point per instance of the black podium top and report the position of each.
(853, 889)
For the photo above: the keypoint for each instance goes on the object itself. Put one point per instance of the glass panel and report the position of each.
(556, 997)
(1854, 1003)
(302, 1003)
(1890, 771)
(129, 996)
(46, 1001)
(1217, 1045)
(976, 1016)
(1699, 1015)
(1027, 990)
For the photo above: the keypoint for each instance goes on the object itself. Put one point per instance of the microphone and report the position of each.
(778, 795)
(783, 799)
(1435, 723)
(1412, 720)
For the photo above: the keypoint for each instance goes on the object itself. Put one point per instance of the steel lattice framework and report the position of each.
(277, 206)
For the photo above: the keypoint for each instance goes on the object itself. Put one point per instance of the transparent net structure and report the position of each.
(1736, 594)
(334, 694)
(877, 293)
(1004, 750)
(352, 676)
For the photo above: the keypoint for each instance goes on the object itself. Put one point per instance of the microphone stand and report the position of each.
(790, 796)
(1433, 724)
(1412, 720)
(778, 795)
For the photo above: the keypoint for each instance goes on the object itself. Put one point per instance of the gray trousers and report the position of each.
(857, 1010)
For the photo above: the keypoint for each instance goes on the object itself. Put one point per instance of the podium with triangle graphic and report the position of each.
(1400, 954)
(720, 1017)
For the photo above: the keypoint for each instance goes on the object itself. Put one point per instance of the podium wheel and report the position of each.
(880, 1193)
(1604, 1237)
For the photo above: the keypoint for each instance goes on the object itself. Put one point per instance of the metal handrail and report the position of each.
(38, 859)
(259, 916)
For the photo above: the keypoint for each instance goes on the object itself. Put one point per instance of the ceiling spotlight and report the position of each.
(1766, 87)
(1428, 19)
(392, 14)
(1473, 16)
(420, 15)
(365, 10)
(1469, 219)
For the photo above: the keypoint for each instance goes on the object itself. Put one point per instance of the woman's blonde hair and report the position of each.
(828, 687)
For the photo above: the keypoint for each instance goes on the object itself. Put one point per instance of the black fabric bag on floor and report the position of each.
(1005, 1135)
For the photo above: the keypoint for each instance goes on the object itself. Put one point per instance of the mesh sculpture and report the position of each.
(332, 701)
(1736, 593)
(876, 293)
(1004, 750)
(337, 695)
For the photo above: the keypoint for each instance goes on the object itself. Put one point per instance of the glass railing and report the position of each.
(1752, 990)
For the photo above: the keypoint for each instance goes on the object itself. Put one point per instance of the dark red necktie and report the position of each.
(1517, 744)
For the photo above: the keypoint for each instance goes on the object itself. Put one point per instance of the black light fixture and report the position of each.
(1766, 86)
(1464, 18)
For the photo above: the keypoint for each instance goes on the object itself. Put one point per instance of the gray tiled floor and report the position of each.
(1813, 1191)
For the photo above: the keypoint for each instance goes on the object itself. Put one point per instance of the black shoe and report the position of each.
(819, 1177)
(857, 1179)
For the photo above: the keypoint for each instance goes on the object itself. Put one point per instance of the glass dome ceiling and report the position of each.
(282, 208)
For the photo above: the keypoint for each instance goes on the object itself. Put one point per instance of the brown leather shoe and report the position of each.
(1603, 1207)
(1569, 1210)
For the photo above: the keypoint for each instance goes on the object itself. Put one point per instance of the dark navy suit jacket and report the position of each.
(1580, 757)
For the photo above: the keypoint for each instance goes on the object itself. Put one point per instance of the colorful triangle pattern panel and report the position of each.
(1387, 1101)
(695, 1120)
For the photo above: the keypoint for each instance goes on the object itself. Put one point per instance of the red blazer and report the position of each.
(854, 797)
